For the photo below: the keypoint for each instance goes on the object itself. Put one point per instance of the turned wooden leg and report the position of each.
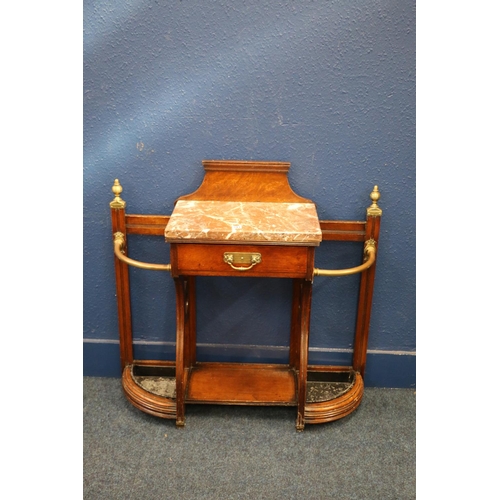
(295, 325)
(365, 302)
(190, 322)
(305, 316)
(180, 360)
(122, 282)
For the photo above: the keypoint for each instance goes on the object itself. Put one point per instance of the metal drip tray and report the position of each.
(158, 380)
(325, 386)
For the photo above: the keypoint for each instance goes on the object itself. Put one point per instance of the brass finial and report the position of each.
(374, 210)
(117, 202)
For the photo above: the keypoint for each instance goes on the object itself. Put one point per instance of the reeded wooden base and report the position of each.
(146, 401)
(146, 387)
(333, 409)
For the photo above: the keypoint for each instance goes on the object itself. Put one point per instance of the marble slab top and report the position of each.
(244, 223)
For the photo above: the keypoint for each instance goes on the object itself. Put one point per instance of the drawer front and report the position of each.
(242, 260)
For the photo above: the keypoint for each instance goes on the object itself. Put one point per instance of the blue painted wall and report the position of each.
(328, 85)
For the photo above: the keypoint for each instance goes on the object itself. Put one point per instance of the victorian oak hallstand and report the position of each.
(244, 221)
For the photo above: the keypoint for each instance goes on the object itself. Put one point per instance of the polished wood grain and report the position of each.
(208, 260)
(146, 401)
(294, 354)
(122, 294)
(245, 181)
(182, 366)
(343, 230)
(365, 299)
(243, 383)
(328, 411)
(146, 224)
(304, 318)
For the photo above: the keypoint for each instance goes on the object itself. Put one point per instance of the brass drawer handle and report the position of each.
(242, 258)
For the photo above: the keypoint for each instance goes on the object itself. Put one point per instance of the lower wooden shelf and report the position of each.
(244, 384)
(330, 394)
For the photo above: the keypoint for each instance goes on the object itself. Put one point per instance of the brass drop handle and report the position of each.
(119, 244)
(369, 257)
(243, 258)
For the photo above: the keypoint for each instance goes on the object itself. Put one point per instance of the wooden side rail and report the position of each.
(335, 230)
(146, 224)
(154, 225)
(332, 230)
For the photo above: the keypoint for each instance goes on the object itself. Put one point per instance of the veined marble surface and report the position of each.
(244, 222)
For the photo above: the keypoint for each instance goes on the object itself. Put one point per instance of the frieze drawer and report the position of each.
(242, 260)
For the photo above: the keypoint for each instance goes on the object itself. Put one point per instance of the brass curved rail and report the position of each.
(119, 244)
(370, 256)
